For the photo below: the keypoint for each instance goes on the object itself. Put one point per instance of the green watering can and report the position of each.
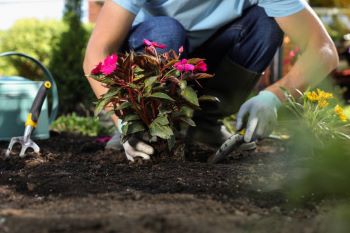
(16, 97)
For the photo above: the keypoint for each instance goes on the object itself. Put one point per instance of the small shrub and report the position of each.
(150, 92)
(34, 37)
(320, 147)
(319, 112)
(89, 126)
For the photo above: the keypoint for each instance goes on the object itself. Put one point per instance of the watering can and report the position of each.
(16, 97)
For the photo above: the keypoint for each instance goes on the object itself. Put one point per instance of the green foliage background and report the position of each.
(34, 37)
(89, 126)
(60, 46)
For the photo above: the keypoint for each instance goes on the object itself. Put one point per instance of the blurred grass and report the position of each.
(88, 126)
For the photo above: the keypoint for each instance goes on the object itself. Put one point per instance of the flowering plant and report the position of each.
(150, 92)
(321, 113)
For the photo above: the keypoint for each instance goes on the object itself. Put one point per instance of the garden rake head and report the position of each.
(31, 123)
(25, 142)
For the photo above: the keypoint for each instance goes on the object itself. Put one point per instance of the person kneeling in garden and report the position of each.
(237, 38)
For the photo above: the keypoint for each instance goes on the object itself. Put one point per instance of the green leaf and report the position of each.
(171, 142)
(183, 84)
(160, 128)
(124, 105)
(189, 121)
(139, 98)
(125, 129)
(138, 69)
(133, 127)
(131, 117)
(101, 104)
(133, 86)
(162, 120)
(149, 81)
(209, 98)
(112, 92)
(138, 73)
(190, 95)
(161, 95)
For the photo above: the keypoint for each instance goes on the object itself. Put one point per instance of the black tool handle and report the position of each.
(37, 104)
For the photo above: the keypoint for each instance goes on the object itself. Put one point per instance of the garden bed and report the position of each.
(76, 186)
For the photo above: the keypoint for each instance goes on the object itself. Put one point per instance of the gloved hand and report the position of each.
(135, 147)
(262, 111)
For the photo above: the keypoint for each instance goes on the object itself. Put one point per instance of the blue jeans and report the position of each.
(250, 41)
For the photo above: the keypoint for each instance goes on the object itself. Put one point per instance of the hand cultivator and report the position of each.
(231, 144)
(31, 123)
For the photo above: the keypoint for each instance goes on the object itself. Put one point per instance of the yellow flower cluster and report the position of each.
(319, 96)
(340, 112)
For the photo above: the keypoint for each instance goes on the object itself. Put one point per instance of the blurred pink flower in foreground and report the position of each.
(109, 64)
(201, 66)
(154, 44)
(97, 69)
(181, 49)
(183, 66)
(103, 140)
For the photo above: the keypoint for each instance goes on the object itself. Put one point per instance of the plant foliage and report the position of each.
(150, 92)
(320, 113)
(72, 123)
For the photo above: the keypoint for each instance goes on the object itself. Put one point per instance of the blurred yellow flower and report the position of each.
(340, 112)
(319, 96)
(324, 95)
(312, 96)
(323, 103)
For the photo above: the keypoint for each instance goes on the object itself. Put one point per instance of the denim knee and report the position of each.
(258, 43)
(162, 29)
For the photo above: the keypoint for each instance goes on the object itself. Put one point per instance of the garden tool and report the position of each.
(31, 123)
(17, 95)
(231, 144)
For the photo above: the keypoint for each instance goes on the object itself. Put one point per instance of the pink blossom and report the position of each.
(147, 42)
(97, 69)
(103, 140)
(181, 49)
(201, 66)
(154, 44)
(183, 65)
(109, 64)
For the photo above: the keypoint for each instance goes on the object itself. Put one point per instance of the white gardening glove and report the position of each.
(136, 147)
(262, 112)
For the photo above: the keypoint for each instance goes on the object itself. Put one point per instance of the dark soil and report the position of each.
(74, 185)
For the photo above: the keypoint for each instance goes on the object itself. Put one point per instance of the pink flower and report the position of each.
(103, 140)
(181, 49)
(97, 69)
(109, 64)
(201, 66)
(154, 44)
(183, 66)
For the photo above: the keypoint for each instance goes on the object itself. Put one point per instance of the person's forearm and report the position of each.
(92, 58)
(311, 68)
(112, 27)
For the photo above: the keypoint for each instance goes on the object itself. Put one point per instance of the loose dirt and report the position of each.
(74, 185)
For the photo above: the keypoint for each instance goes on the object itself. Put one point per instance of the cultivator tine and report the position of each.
(12, 142)
(31, 123)
(23, 151)
(29, 144)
